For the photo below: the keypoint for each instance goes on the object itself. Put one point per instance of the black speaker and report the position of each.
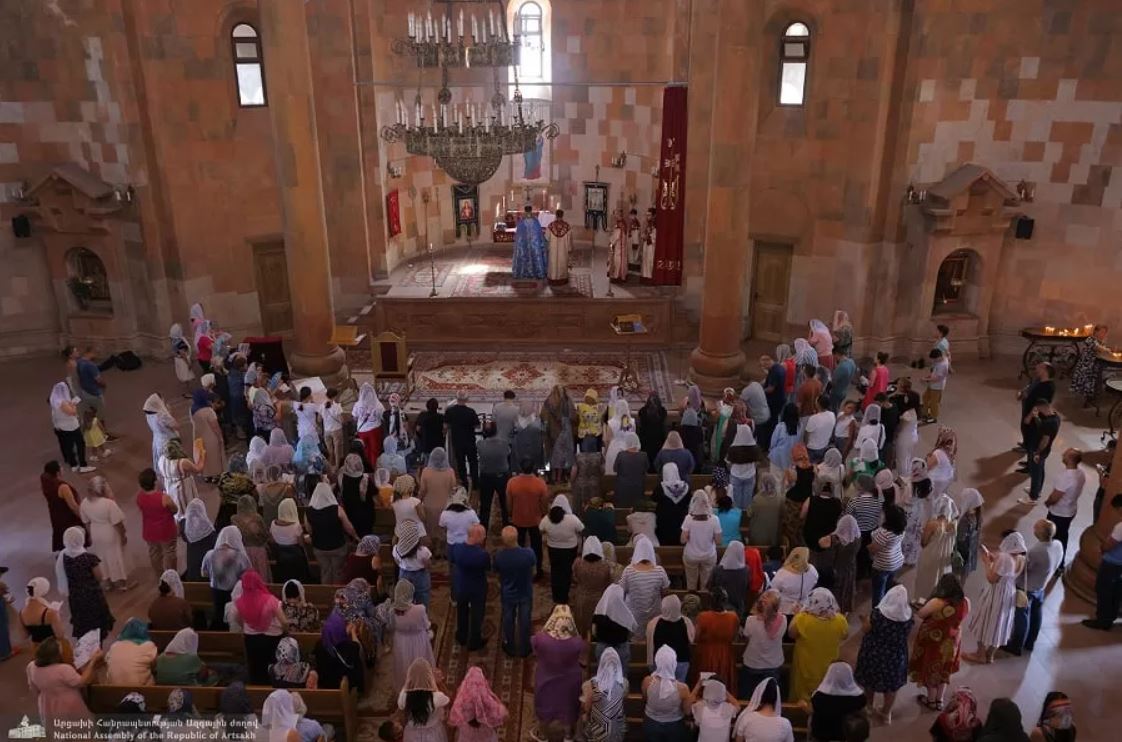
(1024, 227)
(21, 226)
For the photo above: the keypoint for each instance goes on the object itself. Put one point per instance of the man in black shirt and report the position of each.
(1044, 426)
(462, 422)
(1041, 388)
(430, 428)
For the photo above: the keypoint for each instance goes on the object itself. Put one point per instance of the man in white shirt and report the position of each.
(1063, 503)
(936, 383)
(332, 414)
(820, 430)
(1043, 560)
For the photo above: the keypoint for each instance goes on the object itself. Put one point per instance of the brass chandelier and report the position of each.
(467, 140)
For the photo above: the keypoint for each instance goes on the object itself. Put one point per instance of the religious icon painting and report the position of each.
(466, 199)
(595, 205)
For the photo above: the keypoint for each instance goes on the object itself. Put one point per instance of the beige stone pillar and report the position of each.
(1080, 579)
(717, 361)
(284, 35)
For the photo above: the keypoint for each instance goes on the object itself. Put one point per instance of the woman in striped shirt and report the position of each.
(886, 552)
(643, 582)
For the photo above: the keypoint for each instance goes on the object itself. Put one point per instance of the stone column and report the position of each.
(718, 361)
(284, 35)
(1080, 579)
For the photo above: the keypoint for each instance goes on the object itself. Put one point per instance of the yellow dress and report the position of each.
(815, 648)
(94, 435)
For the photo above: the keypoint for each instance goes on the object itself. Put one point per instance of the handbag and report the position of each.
(1022, 592)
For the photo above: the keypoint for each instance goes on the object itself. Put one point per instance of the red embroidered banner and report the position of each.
(393, 213)
(670, 198)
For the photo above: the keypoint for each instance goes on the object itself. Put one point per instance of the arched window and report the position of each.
(88, 281)
(794, 51)
(248, 65)
(530, 25)
(956, 286)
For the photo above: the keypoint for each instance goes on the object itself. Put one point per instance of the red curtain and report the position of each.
(670, 198)
(393, 213)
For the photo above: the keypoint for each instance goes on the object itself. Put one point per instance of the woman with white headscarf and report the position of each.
(643, 581)
(714, 712)
(179, 664)
(619, 424)
(938, 542)
(279, 718)
(969, 502)
(163, 425)
(561, 532)
(613, 624)
(39, 617)
(197, 531)
(761, 719)
(991, 620)
(671, 504)
(818, 630)
(223, 566)
(822, 341)
(701, 535)
(106, 524)
(720, 427)
(178, 471)
(794, 580)
(671, 629)
(839, 555)
(68, 427)
(169, 611)
(630, 468)
(835, 698)
(805, 354)
(731, 575)
(602, 699)
(882, 662)
(327, 522)
(871, 428)
(741, 460)
(367, 414)
(279, 452)
(181, 356)
(667, 699)
(591, 575)
(79, 577)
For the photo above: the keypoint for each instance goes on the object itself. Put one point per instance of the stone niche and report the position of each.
(84, 226)
(955, 237)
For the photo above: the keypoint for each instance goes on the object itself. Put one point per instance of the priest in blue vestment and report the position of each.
(530, 256)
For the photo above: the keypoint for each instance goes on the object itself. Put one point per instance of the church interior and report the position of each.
(221, 203)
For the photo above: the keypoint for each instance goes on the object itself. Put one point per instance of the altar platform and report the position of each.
(477, 301)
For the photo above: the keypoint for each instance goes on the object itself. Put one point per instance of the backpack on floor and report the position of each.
(128, 361)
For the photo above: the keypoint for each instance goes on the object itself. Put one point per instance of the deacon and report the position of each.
(649, 234)
(560, 245)
(634, 239)
(529, 261)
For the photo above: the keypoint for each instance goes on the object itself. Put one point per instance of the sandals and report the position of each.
(922, 700)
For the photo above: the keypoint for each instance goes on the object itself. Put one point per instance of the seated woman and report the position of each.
(310, 730)
(339, 655)
(169, 611)
(667, 700)
(132, 657)
(57, 685)
(423, 703)
(301, 615)
(837, 696)
(643, 521)
(365, 563)
(286, 537)
(179, 664)
(279, 719)
(263, 623)
(288, 671)
(40, 618)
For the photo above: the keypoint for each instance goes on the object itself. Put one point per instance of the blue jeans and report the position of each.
(589, 444)
(751, 677)
(881, 583)
(817, 454)
(517, 611)
(422, 584)
(1026, 623)
(742, 491)
(665, 731)
(1036, 476)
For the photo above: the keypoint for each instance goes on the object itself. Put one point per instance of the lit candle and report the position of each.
(417, 113)
(474, 28)
(491, 21)
(411, 27)
(460, 26)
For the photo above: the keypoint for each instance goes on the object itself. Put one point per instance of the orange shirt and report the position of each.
(527, 500)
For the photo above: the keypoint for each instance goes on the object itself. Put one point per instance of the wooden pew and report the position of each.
(385, 552)
(634, 706)
(338, 707)
(697, 482)
(227, 646)
(198, 594)
(670, 557)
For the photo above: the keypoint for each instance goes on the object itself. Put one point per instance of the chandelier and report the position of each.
(467, 140)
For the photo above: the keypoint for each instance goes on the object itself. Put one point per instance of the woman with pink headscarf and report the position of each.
(367, 414)
(477, 712)
(823, 343)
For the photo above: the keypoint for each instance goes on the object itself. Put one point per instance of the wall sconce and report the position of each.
(914, 196)
(620, 160)
(124, 194)
(1026, 191)
(17, 191)
(393, 171)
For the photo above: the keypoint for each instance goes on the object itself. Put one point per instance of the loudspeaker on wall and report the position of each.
(21, 226)
(1024, 227)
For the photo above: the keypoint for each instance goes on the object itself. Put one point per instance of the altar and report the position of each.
(503, 231)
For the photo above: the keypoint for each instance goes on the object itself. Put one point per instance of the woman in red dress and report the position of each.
(935, 653)
(713, 650)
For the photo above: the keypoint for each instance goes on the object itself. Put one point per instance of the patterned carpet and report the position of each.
(485, 376)
(499, 283)
(420, 273)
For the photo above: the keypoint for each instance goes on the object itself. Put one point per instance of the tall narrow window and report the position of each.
(528, 28)
(794, 50)
(248, 65)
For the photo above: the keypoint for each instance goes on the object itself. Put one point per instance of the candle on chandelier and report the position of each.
(417, 113)
(460, 25)
(411, 27)
(474, 28)
(491, 21)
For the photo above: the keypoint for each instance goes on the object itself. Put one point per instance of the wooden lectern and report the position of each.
(628, 326)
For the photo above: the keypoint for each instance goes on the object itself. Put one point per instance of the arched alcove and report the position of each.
(88, 281)
(957, 284)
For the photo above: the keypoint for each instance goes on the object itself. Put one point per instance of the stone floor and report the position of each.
(979, 404)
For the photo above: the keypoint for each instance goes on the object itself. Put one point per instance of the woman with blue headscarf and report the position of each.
(204, 425)
(131, 658)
